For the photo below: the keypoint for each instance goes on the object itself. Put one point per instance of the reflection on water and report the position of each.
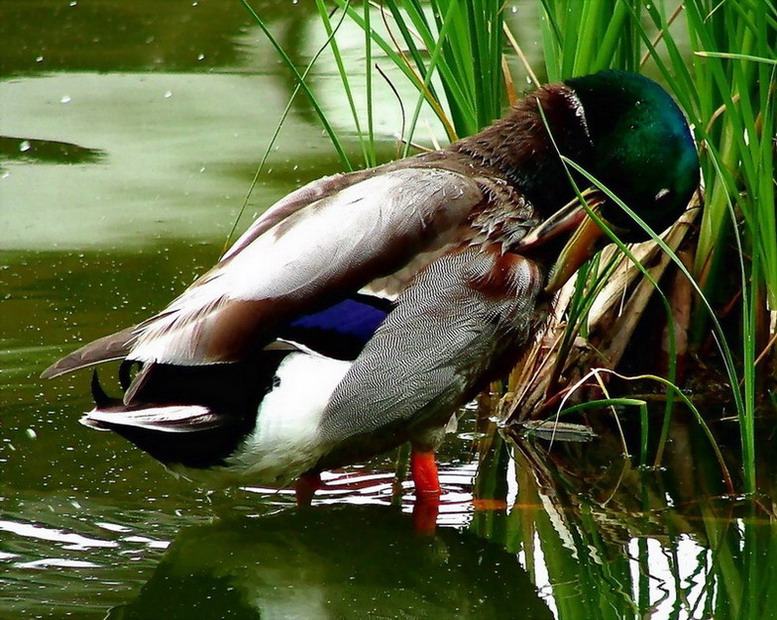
(161, 112)
(565, 534)
(333, 562)
(110, 36)
(46, 151)
(603, 539)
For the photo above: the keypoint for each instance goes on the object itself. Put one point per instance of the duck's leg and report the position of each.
(423, 469)
(306, 486)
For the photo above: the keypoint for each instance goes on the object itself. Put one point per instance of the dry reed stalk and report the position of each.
(611, 322)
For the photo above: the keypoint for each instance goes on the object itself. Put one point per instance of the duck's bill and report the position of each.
(581, 246)
(584, 236)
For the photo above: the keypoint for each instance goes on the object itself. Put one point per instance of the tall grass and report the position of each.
(728, 93)
(452, 52)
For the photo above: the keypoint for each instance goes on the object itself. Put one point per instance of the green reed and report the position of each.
(727, 90)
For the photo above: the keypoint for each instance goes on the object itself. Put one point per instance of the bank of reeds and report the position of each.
(701, 301)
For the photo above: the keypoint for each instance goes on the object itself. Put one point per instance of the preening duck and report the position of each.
(360, 311)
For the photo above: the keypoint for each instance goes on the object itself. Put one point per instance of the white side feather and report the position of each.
(286, 440)
(169, 419)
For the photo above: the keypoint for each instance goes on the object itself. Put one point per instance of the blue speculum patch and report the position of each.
(342, 329)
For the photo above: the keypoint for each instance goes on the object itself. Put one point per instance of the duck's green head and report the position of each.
(642, 148)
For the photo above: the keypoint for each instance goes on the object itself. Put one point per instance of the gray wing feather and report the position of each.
(108, 348)
(333, 246)
(272, 272)
(446, 332)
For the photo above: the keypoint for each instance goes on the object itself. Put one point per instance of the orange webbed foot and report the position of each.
(423, 469)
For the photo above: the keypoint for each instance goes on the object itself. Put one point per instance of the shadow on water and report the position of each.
(104, 35)
(46, 151)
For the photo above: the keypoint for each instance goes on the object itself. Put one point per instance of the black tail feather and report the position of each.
(230, 392)
(125, 373)
(234, 388)
(101, 399)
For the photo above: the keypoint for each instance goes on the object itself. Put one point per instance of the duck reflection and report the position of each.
(333, 562)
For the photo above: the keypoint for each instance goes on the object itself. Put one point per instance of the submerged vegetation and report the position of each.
(706, 299)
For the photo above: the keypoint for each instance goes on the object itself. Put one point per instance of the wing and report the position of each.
(313, 249)
(465, 314)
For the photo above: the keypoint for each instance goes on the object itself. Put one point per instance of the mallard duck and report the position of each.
(360, 311)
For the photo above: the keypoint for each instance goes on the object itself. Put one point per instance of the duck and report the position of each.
(361, 311)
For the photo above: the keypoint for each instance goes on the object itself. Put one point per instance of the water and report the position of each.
(129, 136)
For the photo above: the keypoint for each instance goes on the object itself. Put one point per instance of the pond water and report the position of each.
(129, 136)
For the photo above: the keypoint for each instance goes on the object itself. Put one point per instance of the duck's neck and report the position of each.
(520, 147)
